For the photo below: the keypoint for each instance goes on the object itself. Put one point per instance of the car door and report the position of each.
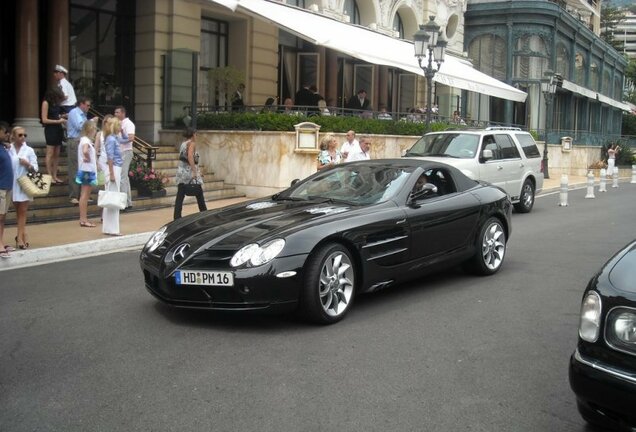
(442, 225)
(512, 164)
(492, 170)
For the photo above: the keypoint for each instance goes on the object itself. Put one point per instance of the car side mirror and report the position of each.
(294, 181)
(486, 154)
(426, 190)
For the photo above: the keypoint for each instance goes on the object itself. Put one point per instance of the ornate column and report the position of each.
(58, 36)
(26, 67)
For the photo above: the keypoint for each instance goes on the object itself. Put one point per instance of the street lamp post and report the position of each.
(549, 87)
(430, 45)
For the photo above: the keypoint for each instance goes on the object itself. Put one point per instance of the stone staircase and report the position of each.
(56, 206)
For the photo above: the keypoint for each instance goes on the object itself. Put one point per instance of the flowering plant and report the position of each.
(143, 176)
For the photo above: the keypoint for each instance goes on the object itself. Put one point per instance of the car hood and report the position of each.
(622, 274)
(254, 221)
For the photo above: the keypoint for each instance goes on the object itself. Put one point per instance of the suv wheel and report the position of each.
(526, 198)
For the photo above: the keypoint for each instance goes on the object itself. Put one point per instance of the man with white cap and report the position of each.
(69, 103)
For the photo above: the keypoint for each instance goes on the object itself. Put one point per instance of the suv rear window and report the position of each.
(528, 145)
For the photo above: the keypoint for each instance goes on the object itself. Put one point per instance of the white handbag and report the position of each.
(111, 198)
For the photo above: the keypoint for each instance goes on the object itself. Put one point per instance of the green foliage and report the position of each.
(610, 18)
(282, 122)
(625, 156)
(629, 125)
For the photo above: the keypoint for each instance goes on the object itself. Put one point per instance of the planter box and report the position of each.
(144, 192)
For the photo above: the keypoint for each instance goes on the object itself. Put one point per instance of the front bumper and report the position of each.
(605, 388)
(259, 288)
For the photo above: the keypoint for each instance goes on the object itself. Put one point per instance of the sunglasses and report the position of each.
(22, 135)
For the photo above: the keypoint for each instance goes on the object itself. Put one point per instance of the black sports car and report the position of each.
(603, 367)
(354, 228)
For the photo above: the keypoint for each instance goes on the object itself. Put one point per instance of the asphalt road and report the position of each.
(83, 346)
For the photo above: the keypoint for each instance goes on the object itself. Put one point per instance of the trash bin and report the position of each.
(566, 143)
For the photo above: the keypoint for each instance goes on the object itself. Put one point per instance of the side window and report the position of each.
(489, 143)
(507, 146)
(528, 145)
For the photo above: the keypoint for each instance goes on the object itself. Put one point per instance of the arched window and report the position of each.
(530, 57)
(606, 90)
(579, 69)
(488, 53)
(618, 89)
(398, 25)
(562, 61)
(351, 9)
(594, 76)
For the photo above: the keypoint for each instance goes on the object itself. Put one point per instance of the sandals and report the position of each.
(87, 225)
(9, 248)
(4, 254)
(21, 246)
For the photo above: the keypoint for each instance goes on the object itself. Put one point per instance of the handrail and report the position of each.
(145, 151)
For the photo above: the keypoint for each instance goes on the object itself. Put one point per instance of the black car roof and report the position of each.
(462, 182)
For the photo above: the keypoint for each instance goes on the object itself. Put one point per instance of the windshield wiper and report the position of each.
(277, 197)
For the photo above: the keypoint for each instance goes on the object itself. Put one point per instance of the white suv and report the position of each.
(506, 157)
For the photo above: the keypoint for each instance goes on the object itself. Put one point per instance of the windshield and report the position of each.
(352, 183)
(455, 145)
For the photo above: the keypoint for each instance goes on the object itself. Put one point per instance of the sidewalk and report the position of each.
(58, 241)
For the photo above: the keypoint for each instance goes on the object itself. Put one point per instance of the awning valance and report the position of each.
(577, 89)
(370, 46)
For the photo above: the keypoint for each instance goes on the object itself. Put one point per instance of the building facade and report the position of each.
(521, 41)
(160, 57)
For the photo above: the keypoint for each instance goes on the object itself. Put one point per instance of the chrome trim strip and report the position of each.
(603, 368)
(397, 251)
(381, 242)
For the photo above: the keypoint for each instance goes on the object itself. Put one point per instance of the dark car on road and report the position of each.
(354, 228)
(603, 366)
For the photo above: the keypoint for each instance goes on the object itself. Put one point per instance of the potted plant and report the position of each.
(148, 181)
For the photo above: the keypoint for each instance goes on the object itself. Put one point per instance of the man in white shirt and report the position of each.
(127, 128)
(362, 151)
(69, 103)
(350, 146)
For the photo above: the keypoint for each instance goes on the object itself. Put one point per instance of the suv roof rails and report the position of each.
(503, 128)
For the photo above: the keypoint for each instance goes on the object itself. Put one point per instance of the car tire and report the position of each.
(490, 248)
(329, 285)
(526, 198)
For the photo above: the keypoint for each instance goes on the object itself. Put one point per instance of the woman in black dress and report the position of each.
(52, 118)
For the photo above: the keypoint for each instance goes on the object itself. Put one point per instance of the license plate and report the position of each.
(200, 277)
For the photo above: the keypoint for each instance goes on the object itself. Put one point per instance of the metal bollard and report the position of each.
(633, 174)
(602, 186)
(615, 178)
(590, 185)
(563, 195)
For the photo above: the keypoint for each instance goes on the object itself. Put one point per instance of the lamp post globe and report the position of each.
(430, 46)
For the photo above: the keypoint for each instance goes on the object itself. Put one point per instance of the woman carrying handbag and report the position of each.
(188, 178)
(110, 215)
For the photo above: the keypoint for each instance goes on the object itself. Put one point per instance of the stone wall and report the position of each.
(262, 163)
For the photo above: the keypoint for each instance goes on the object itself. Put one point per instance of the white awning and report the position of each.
(577, 89)
(370, 46)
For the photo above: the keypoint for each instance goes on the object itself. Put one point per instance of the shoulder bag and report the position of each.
(112, 198)
(35, 184)
(193, 188)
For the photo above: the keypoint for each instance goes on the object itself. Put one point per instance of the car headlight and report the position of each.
(590, 323)
(156, 239)
(620, 330)
(257, 255)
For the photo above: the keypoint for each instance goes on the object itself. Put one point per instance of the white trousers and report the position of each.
(610, 166)
(110, 217)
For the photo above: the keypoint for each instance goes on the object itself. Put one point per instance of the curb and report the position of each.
(33, 257)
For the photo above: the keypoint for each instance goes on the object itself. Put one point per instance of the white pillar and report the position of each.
(590, 185)
(563, 195)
